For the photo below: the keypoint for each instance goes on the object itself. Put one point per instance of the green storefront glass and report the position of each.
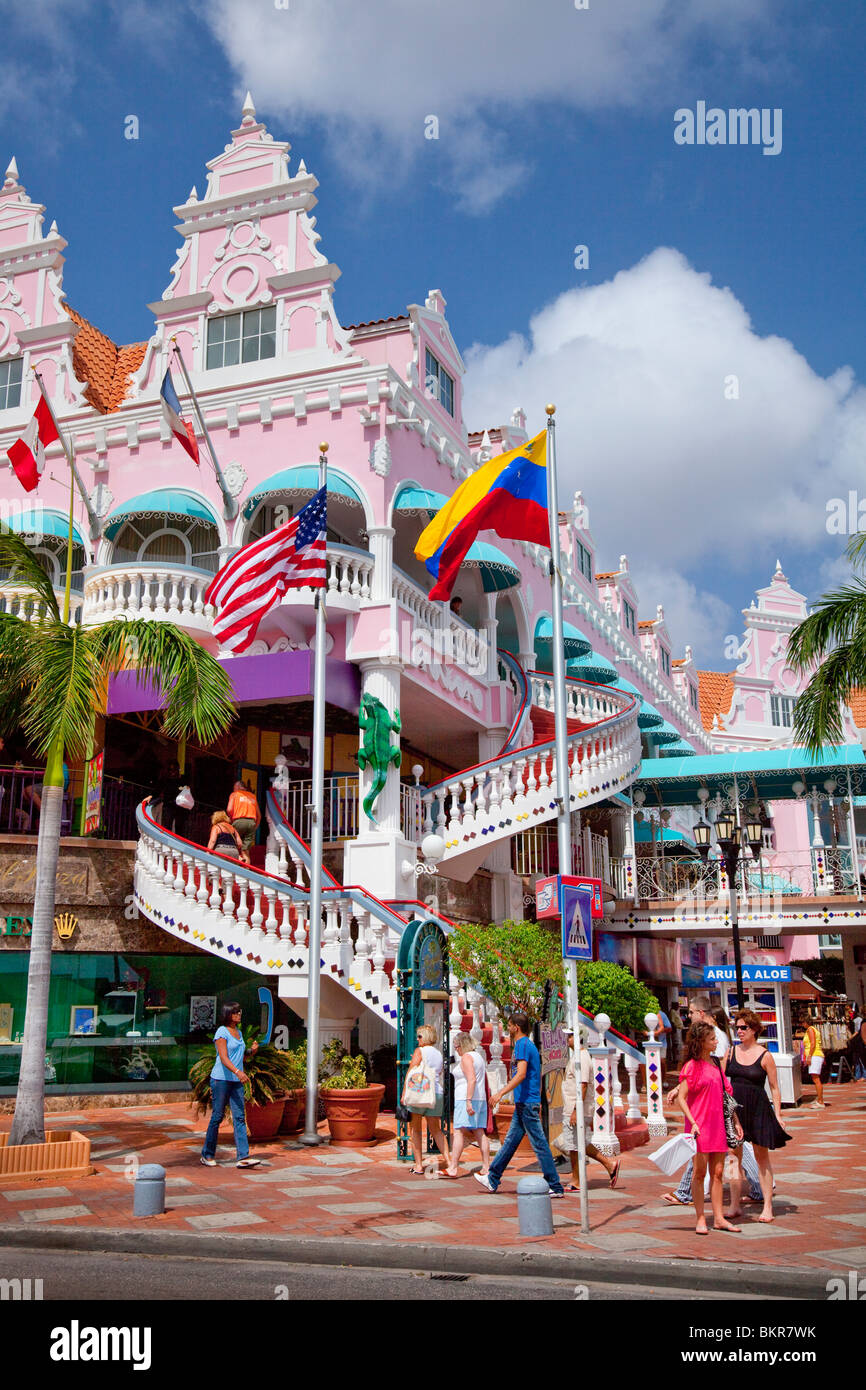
(97, 1001)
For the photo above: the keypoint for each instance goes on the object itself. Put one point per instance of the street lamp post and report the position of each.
(732, 839)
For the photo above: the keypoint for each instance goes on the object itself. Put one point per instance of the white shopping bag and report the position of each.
(674, 1154)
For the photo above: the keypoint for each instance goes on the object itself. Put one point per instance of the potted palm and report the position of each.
(296, 1064)
(351, 1104)
(270, 1074)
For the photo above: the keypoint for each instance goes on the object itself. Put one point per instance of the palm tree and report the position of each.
(53, 681)
(833, 635)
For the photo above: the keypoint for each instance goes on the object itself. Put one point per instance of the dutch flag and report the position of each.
(182, 431)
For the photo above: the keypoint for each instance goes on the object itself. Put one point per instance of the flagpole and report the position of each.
(230, 504)
(76, 476)
(563, 784)
(310, 1135)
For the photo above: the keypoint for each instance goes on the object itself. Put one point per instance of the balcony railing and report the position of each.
(20, 795)
(341, 810)
(20, 603)
(777, 877)
(173, 593)
(439, 634)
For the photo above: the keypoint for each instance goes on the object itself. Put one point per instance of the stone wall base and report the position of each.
(65, 1105)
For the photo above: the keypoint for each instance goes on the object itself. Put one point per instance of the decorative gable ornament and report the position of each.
(380, 457)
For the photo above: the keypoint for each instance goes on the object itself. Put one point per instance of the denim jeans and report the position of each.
(750, 1172)
(526, 1120)
(226, 1093)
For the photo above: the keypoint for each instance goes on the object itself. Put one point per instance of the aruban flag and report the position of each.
(183, 432)
(27, 454)
(254, 580)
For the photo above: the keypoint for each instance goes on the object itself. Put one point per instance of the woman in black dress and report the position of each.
(749, 1067)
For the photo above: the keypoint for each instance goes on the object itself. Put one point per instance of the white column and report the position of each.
(656, 1121)
(382, 681)
(382, 550)
(490, 626)
(603, 1121)
(632, 1066)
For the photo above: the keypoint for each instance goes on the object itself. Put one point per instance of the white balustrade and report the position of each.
(173, 593)
(438, 633)
(20, 603)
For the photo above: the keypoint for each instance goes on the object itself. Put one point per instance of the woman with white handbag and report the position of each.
(423, 1095)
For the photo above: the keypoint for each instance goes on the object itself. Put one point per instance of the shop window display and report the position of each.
(119, 1021)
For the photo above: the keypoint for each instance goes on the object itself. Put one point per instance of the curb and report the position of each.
(687, 1275)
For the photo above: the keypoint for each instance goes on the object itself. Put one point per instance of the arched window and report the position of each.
(51, 554)
(345, 520)
(168, 540)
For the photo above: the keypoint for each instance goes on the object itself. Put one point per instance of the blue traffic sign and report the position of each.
(576, 912)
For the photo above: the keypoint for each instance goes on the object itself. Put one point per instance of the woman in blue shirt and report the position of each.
(227, 1088)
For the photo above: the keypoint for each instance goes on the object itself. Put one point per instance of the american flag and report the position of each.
(254, 580)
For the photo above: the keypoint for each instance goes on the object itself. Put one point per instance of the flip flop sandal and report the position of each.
(674, 1201)
(614, 1177)
(571, 1188)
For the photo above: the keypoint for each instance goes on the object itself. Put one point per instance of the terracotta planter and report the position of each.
(289, 1123)
(65, 1154)
(351, 1115)
(503, 1119)
(263, 1121)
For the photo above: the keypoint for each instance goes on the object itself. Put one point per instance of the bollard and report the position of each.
(149, 1197)
(533, 1207)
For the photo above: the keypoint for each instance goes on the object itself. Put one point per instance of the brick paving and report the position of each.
(368, 1194)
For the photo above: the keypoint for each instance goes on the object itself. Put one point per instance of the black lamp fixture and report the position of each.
(754, 834)
(702, 833)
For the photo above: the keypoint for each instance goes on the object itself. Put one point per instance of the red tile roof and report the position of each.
(648, 622)
(102, 365)
(715, 692)
(857, 705)
(606, 574)
(375, 323)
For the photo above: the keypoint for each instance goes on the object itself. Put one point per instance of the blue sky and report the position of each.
(550, 135)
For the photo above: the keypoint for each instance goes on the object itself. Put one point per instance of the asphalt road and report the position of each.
(95, 1277)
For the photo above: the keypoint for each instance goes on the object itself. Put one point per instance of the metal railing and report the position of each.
(819, 872)
(20, 790)
(341, 809)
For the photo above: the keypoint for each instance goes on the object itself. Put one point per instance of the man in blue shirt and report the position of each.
(526, 1085)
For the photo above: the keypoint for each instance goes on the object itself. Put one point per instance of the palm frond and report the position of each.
(818, 711)
(838, 619)
(61, 675)
(25, 572)
(16, 637)
(196, 690)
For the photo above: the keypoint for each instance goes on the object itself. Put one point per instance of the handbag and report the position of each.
(490, 1127)
(675, 1153)
(419, 1090)
(729, 1108)
(402, 1114)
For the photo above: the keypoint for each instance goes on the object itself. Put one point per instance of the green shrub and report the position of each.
(604, 988)
(352, 1076)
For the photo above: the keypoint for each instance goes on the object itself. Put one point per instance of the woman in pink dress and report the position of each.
(702, 1083)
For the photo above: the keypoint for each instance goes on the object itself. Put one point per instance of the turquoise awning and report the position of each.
(767, 773)
(163, 501)
(644, 835)
(574, 642)
(418, 501)
(497, 571)
(48, 523)
(681, 749)
(593, 668)
(304, 478)
(648, 716)
(665, 733)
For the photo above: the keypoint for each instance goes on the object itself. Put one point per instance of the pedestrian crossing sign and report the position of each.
(577, 921)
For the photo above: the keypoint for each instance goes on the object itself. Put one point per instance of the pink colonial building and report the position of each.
(251, 302)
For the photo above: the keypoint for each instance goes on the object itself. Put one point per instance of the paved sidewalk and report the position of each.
(367, 1194)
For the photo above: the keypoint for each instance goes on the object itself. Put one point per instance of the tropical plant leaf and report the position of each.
(58, 670)
(833, 635)
(20, 567)
(196, 690)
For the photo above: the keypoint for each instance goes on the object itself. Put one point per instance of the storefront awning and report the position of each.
(767, 774)
(665, 733)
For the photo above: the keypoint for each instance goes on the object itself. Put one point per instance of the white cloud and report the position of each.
(376, 70)
(672, 471)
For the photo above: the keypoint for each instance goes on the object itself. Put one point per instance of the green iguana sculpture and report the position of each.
(376, 751)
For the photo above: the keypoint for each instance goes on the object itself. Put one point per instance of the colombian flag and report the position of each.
(508, 495)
